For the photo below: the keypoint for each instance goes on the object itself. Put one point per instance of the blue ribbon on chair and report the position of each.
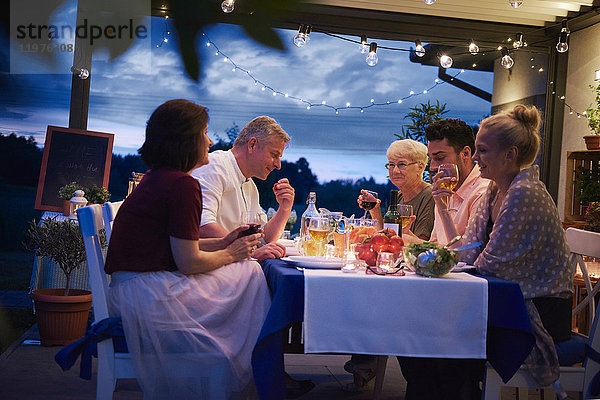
(595, 383)
(108, 328)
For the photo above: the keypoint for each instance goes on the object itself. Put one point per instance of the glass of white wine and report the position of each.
(450, 171)
(406, 212)
(318, 229)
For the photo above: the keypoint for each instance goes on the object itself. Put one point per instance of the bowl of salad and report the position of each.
(435, 260)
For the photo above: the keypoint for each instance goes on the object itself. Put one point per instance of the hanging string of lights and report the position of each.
(303, 37)
(265, 87)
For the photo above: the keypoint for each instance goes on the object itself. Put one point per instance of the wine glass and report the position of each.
(254, 219)
(318, 229)
(406, 212)
(451, 171)
(368, 201)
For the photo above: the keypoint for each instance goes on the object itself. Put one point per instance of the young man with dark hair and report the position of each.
(452, 141)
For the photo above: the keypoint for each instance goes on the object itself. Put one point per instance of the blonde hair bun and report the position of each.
(529, 116)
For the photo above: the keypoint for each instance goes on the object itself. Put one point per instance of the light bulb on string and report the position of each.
(507, 62)
(515, 3)
(300, 38)
(429, 2)
(227, 6)
(562, 46)
(82, 73)
(307, 31)
(364, 46)
(419, 49)
(473, 48)
(372, 58)
(518, 43)
(446, 61)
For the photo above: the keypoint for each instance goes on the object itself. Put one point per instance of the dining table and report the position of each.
(507, 332)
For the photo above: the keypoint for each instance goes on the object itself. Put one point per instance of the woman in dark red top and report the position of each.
(192, 308)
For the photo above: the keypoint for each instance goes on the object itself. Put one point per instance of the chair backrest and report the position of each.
(90, 223)
(584, 243)
(109, 212)
(592, 367)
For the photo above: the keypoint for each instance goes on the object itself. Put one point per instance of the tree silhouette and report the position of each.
(21, 160)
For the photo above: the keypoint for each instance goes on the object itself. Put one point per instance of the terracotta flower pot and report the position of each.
(61, 319)
(592, 142)
(66, 209)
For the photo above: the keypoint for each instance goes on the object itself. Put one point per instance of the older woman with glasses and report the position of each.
(407, 159)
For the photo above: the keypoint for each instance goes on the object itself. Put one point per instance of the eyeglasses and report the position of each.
(399, 166)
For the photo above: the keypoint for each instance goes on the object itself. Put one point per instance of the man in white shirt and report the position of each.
(452, 141)
(229, 193)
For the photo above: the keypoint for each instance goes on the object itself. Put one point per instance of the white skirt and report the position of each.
(191, 337)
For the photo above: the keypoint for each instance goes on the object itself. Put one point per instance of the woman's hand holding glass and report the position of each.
(367, 200)
(243, 247)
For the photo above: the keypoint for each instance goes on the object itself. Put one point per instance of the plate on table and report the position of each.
(315, 262)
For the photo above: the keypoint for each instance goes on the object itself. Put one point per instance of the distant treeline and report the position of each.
(20, 161)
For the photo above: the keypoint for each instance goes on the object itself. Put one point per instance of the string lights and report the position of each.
(372, 58)
(82, 73)
(303, 35)
(507, 61)
(227, 6)
(264, 87)
(515, 3)
(445, 60)
(364, 46)
(473, 48)
(562, 46)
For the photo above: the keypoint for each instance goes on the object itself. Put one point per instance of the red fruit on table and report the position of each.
(380, 242)
(365, 252)
(396, 244)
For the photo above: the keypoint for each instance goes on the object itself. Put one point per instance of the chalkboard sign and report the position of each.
(72, 155)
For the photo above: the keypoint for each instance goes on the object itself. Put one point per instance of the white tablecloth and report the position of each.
(407, 316)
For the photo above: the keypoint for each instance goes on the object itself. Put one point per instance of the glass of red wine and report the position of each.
(254, 220)
(368, 200)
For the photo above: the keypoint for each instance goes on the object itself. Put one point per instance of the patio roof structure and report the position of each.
(446, 24)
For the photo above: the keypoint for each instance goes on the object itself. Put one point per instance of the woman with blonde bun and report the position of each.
(521, 232)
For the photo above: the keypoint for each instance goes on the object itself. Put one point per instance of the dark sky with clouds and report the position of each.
(348, 145)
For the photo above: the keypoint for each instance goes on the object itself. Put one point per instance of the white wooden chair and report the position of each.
(582, 243)
(109, 212)
(111, 365)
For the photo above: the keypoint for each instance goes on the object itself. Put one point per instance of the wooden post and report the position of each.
(80, 88)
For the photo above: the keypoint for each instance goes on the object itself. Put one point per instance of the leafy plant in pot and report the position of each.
(592, 217)
(592, 113)
(61, 314)
(587, 184)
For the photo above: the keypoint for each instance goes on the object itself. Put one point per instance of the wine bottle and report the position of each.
(311, 211)
(392, 218)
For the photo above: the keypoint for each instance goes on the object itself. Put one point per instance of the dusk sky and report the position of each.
(348, 145)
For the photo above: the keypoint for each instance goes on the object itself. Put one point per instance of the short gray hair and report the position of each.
(409, 149)
(264, 129)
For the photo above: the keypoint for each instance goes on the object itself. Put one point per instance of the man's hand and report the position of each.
(284, 194)
(269, 250)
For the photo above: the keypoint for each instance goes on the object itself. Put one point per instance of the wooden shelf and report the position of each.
(574, 212)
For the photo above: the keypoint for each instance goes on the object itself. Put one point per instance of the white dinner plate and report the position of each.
(315, 262)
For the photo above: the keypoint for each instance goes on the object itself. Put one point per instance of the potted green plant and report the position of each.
(96, 194)
(61, 313)
(587, 184)
(592, 142)
(65, 193)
